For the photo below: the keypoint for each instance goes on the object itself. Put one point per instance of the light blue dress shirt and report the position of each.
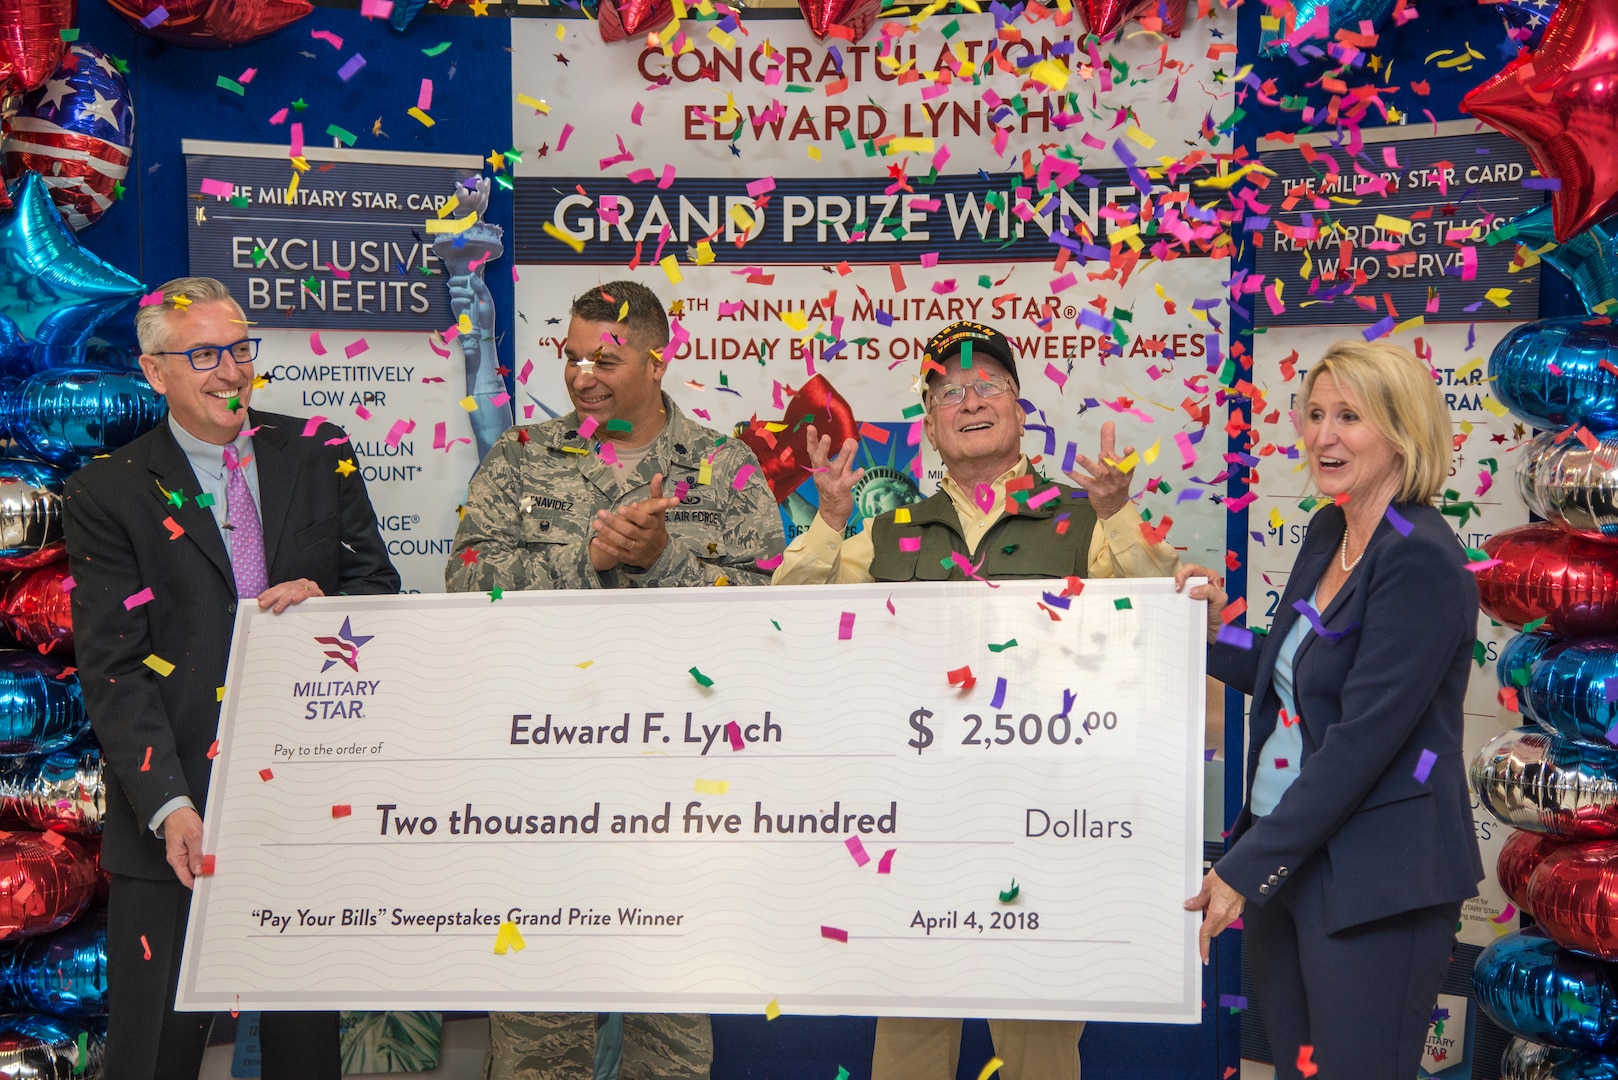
(208, 462)
(1285, 744)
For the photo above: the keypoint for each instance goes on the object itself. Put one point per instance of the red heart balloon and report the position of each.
(621, 20)
(1574, 897)
(1518, 860)
(213, 24)
(853, 17)
(1570, 582)
(1105, 16)
(31, 44)
(784, 455)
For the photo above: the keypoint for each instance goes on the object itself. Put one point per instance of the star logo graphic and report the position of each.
(344, 648)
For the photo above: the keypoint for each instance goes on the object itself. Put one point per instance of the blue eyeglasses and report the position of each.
(207, 357)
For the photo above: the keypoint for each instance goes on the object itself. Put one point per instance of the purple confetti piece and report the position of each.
(1307, 610)
(1068, 455)
(1232, 1001)
(1066, 602)
(1542, 183)
(1236, 636)
(1398, 522)
(1208, 754)
(159, 14)
(351, 67)
(1424, 767)
(1068, 698)
(999, 698)
(1381, 328)
(1612, 734)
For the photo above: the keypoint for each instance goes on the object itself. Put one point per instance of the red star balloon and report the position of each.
(31, 42)
(1561, 102)
(854, 16)
(211, 24)
(621, 20)
(1105, 16)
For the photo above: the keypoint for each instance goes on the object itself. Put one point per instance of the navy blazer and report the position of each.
(1372, 701)
(156, 731)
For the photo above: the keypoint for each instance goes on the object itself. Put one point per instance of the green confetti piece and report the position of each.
(310, 282)
(966, 353)
(436, 50)
(204, 500)
(1008, 895)
(702, 680)
(71, 36)
(341, 134)
(258, 255)
(1012, 644)
(496, 593)
(234, 404)
(952, 29)
(118, 62)
(620, 425)
(83, 1060)
(1520, 676)
(776, 625)
(1477, 555)
(913, 411)
(1123, 604)
(232, 85)
(177, 498)
(1009, 548)
(503, 182)
(299, 105)
(118, 190)
(239, 202)
(794, 88)
(985, 281)
(1480, 654)
(1529, 628)
(842, 1073)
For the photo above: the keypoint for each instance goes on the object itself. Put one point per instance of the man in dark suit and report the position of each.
(213, 507)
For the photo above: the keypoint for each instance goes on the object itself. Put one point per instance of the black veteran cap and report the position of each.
(985, 341)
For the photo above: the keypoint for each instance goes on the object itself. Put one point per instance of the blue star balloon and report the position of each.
(1528, 17)
(404, 11)
(53, 293)
(1589, 261)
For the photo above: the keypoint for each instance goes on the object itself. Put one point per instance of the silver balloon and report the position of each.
(62, 792)
(1571, 485)
(30, 512)
(1585, 1067)
(36, 1047)
(1524, 1060)
(1530, 779)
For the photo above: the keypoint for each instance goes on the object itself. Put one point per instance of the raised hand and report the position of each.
(835, 478)
(1105, 483)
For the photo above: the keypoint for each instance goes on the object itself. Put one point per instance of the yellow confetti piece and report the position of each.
(671, 267)
(533, 102)
(908, 145)
(712, 787)
(1415, 322)
(584, 665)
(720, 38)
(1051, 73)
(989, 1068)
(1140, 136)
(464, 323)
(705, 253)
(159, 665)
(901, 516)
(449, 208)
(423, 118)
(741, 217)
(814, 153)
(469, 403)
(301, 164)
(581, 450)
(1494, 406)
(557, 234)
(1497, 296)
(1308, 266)
(773, 1009)
(1129, 463)
(346, 467)
(1151, 452)
(508, 938)
(705, 472)
(292, 187)
(1466, 427)
(219, 694)
(1389, 223)
(453, 226)
(796, 320)
(1269, 22)
(561, 32)
(1276, 520)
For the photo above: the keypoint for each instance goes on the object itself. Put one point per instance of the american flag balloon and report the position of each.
(76, 132)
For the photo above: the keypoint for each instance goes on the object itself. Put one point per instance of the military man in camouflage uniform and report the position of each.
(623, 492)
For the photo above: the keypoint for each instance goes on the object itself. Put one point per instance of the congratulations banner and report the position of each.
(925, 800)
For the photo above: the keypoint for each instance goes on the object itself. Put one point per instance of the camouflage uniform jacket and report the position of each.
(531, 502)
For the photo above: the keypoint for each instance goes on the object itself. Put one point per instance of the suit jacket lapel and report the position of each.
(277, 478)
(1350, 587)
(173, 471)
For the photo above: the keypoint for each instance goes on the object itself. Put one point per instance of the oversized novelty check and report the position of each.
(923, 800)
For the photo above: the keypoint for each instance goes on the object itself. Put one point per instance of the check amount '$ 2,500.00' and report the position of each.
(1007, 729)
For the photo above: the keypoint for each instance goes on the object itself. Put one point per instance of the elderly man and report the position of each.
(623, 492)
(988, 510)
(214, 507)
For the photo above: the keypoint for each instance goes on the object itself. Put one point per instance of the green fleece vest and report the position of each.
(1031, 543)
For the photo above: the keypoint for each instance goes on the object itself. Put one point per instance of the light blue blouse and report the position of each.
(1281, 759)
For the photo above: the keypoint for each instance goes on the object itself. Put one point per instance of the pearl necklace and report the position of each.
(1342, 558)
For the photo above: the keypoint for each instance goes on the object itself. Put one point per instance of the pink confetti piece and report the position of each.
(351, 67)
(527, 370)
(220, 189)
(831, 933)
(398, 431)
(770, 563)
(316, 346)
(328, 37)
(636, 113)
(362, 412)
(500, 400)
(376, 9)
(845, 626)
(741, 477)
(280, 116)
(885, 864)
(608, 452)
(909, 543)
(247, 76)
(68, 584)
(312, 425)
(891, 609)
(151, 299)
(137, 599)
(761, 187)
(733, 732)
(338, 273)
(296, 149)
(857, 849)
(354, 348)
(588, 428)
(424, 98)
(567, 133)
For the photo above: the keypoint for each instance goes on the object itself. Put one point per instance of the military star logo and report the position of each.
(344, 648)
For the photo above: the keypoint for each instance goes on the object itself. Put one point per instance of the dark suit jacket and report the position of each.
(318, 524)
(1371, 701)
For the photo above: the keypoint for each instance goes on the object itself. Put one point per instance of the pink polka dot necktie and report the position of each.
(246, 532)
